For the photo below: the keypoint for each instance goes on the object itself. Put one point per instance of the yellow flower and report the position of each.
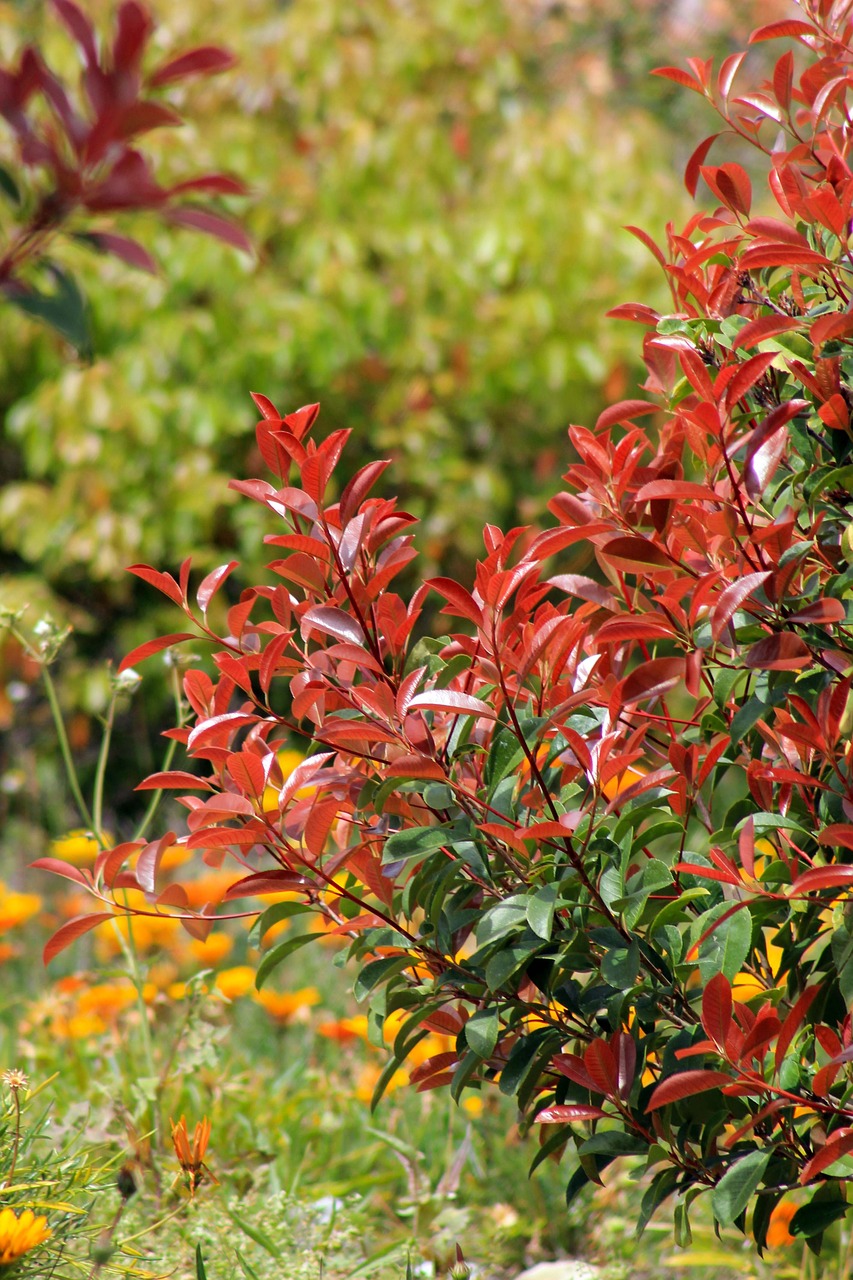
(473, 1104)
(80, 847)
(19, 1235)
(285, 1005)
(16, 908)
(235, 982)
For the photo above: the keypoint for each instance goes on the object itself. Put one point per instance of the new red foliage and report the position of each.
(619, 793)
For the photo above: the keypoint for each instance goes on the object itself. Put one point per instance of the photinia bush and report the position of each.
(76, 155)
(601, 832)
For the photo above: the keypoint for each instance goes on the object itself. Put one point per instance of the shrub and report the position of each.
(601, 832)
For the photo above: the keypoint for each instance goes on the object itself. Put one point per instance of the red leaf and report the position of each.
(148, 862)
(568, 1112)
(686, 1084)
(676, 489)
(790, 27)
(266, 407)
(624, 411)
(71, 931)
(679, 77)
(332, 622)
(633, 554)
(651, 680)
(600, 1061)
(728, 71)
(80, 27)
(175, 779)
(59, 868)
(212, 225)
(123, 247)
(837, 1145)
(456, 703)
(764, 327)
(694, 164)
(207, 60)
(793, 1022)
(261, 882)
(415, 766)
(767, 445)
(211, 583)
(162, 581)
(219, 183)
(732, 598)
(821, 878)
(781, 652)
(459, 601)
(717, 1009)
(572, 1066)
(143, 651)
(634, 311)
(838, 834)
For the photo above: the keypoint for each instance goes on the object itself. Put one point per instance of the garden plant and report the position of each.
(598, 835)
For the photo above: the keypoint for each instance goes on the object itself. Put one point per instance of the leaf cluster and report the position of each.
(600, 832)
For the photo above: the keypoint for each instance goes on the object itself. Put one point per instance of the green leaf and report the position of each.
(481, 1032)
(378, 971)
(274, 914)
(540, 910)
(64, 310)
(413, 842)
(255, 1233)
(813, 1218)
(508, 960)
(200, 1272)
(746, 717)
(735, 1189)
(274, 958)
(614, 1143)
(503, 918)
(726, 949)
(8, 185)
(620, 967)
(523, 1057)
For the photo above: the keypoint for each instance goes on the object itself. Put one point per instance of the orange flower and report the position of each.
(286, 1005)
(19, 1235)
(212, 949)
(344, 1029)
(778, 1233)
(191, 1158)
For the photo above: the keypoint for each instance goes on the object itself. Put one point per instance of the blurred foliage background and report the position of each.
(437, 195)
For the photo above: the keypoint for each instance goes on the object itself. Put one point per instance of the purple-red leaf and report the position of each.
(686, 1084)
(568, 1112)
(71, 931)
(207, 60)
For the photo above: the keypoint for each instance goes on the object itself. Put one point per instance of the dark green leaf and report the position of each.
(481, 1032)
(735, 1189)
(274, 958)
(64, 309)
